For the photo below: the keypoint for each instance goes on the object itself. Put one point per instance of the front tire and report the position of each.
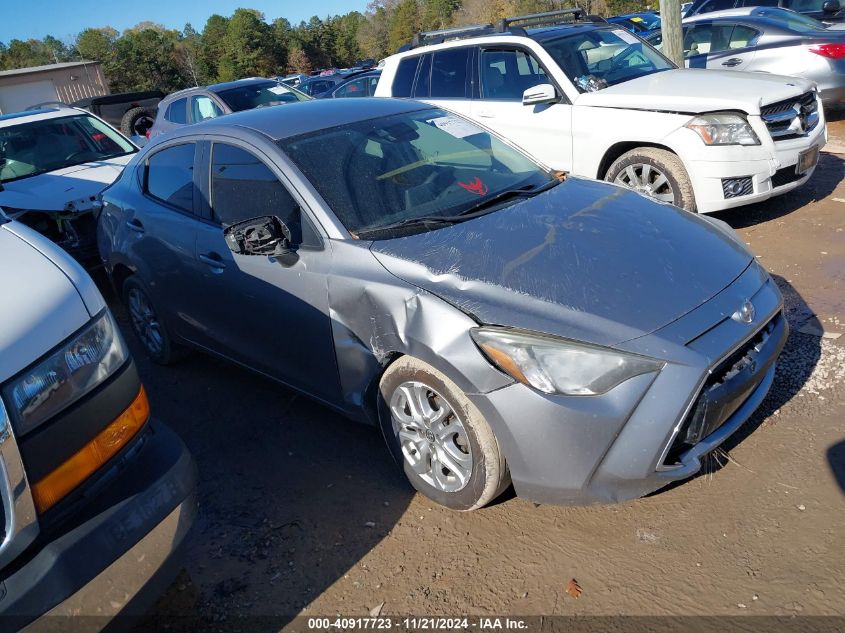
(446, 447)
(655, 172)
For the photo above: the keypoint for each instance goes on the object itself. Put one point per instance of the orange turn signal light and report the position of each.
(82, 464)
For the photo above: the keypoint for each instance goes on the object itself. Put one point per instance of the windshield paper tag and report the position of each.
(456, 127)
(278, 90)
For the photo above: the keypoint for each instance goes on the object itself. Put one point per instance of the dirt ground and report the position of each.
(302, 512)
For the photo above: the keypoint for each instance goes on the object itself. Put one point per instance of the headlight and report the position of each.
(70, 372)
(723, 129)
(554, 365)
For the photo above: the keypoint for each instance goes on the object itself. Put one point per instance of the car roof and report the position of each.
(238, 83)
(41, 114)
(294, 119)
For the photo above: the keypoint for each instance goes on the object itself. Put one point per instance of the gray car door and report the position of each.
(270, 315)
(164, 223)
(734, 46)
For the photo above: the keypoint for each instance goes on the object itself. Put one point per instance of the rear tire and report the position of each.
(137, 121)
(446, 447)
(655, 172)
(147, 325)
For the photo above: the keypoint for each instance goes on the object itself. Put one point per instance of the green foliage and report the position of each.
(151, 56)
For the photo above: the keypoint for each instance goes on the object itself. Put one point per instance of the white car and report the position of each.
(90, 484)
(590, 98)
(54, 163)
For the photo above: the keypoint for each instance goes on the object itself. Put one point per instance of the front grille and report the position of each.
(736, 187)
(785, 176)
(727, 387)
(791, 118)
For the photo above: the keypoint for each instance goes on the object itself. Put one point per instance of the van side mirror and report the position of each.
(264, 235)
(831, 6)
(543, 93)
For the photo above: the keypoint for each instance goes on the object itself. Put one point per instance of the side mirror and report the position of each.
(264, 235)
(543, 93)
(831, 6)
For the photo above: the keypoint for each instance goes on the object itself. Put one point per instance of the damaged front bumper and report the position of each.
(74, 228)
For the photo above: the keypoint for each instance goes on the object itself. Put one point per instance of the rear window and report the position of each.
(449, 73)
(403, 82)
(170, 176)
(177, 112)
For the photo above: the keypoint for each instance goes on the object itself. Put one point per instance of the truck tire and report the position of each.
(446, 447)
(137, 121)
(655, 172)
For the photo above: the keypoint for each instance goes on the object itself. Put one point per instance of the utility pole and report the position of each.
(670, 28)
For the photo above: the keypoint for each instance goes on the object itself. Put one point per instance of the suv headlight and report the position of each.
(553, 365)
(68, 373)
(723, 129)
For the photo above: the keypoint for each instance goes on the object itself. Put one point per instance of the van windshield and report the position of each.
(605, 57)
(38, 147)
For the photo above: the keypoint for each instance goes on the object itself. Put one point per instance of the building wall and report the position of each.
(72, 83)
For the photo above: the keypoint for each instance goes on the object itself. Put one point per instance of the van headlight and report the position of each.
(726, 128)
(554, 365)
(68, 373)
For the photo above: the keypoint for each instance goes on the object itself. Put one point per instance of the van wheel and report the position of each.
(655, 172)
(147, 325)
(447, 448)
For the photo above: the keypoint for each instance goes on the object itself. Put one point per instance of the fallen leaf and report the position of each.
(573, 589)
(376, 610)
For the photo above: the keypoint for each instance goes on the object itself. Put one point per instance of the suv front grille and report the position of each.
(791, 118)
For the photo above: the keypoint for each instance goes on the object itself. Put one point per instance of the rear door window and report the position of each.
(403, 82)
(506, 74)
(449, 73)
(203, 108)
(177, 112)
(170, 176)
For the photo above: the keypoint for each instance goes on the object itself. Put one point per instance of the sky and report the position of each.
(65, 18)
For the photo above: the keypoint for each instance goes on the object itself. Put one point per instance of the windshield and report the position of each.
(790, 20)
(409, 166)
(605, 57)
(645, 21)
(38, 147)
(257, 95)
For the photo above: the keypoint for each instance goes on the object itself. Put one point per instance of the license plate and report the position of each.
(807, 160)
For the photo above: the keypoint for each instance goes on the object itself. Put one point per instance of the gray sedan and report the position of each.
(413, 271)
(767, 39)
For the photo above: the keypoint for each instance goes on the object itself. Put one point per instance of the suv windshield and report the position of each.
(257, 95)
(605, 57)
(37, 147)
(420, 169)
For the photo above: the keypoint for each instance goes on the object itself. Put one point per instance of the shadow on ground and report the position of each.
(836, 459)
(291, 495)
(829, 173)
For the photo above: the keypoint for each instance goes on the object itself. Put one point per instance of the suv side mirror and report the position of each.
(264, 235)
(543, 93)
(831, 6)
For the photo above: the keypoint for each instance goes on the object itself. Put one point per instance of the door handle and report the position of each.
(135, 225)
(733, 61)
(486, 114)
(213, 261)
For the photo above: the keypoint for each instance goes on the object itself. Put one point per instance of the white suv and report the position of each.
(590, 98)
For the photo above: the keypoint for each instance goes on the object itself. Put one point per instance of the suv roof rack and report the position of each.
(514, 25)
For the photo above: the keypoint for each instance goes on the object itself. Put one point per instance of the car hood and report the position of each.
(68, 189)
(46, 307)
(586, 260)
(696, 90)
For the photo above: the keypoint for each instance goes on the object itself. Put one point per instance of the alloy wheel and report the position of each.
(433, 438)
(647, 179)
(145, 322)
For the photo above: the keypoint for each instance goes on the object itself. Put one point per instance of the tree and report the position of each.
(298, 61)
(186, 55)
(248, 47)
(97, 44)
(211, 46)
(404, 24)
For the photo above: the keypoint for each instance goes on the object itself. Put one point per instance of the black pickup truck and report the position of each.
(132, 113)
